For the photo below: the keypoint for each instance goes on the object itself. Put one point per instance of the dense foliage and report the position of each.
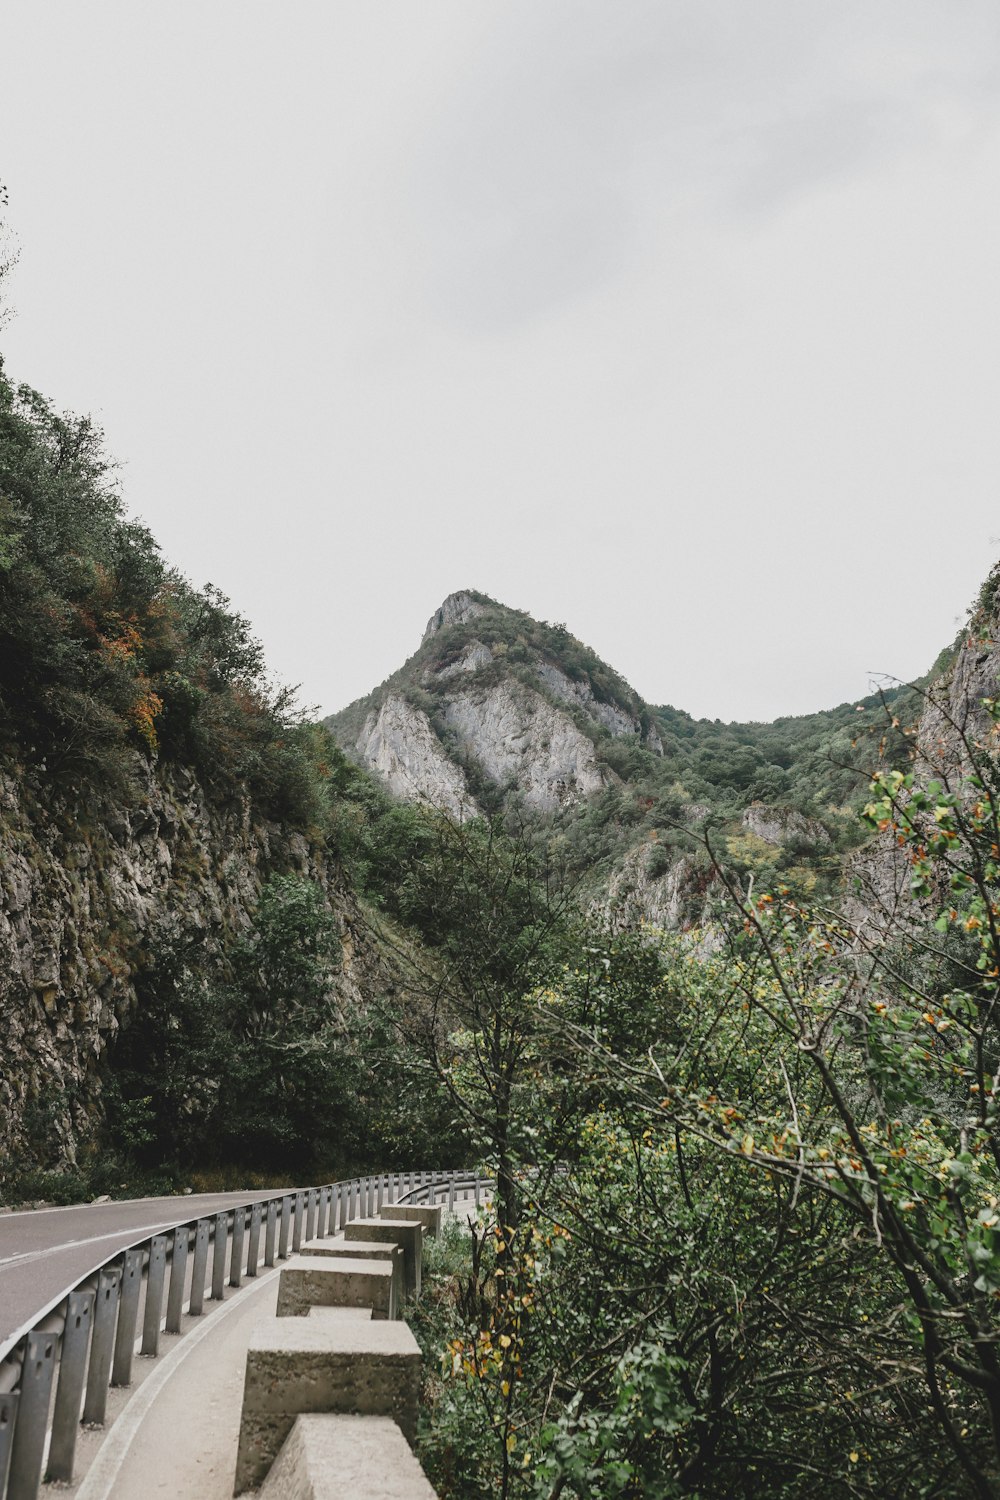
(753, 1248)
(675, 771)
(745, 1240)
(105, 651)
(265, 1068)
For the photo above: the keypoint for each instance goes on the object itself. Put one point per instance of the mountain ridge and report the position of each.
(496, 712)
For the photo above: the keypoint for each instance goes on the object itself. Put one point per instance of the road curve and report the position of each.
(46, 1250)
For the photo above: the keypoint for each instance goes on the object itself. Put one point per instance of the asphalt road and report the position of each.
(45, 1251)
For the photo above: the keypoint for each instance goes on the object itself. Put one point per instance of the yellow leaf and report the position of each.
(511, 1442)
(747, 1146)
(853, 1457)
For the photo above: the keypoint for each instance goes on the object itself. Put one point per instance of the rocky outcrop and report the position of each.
(455, 610)
(87, 895)
(953, 716)
(473, 659)
(953, 727)
(640, 890)
(398, 742)
(784, 827)
(522, 743)
(614, 718)
(487, 698)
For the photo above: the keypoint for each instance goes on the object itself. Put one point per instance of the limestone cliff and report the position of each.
(952, 724)
(87, 894)
(495, 705)
(398, 742)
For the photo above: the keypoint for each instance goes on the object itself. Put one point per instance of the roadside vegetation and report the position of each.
(745, 1237)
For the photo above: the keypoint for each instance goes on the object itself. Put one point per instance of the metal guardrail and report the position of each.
(56, 1373)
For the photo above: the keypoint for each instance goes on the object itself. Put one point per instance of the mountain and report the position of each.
(164, 815)
(496, 711)
(495, 706)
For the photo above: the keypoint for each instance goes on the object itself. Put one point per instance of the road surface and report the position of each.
(44, 1251)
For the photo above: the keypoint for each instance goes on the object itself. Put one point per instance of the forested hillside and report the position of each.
(745, 1239)
(189, 983)
(498, 713)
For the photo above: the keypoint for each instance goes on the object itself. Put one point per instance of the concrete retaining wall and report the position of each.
(332, 1382)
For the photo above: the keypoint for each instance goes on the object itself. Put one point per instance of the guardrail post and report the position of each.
(269, 1235)
(8, 1416)
(325, 1199)
(380, 1195)
(451, 1193)
(477, 1191)
(199, 1269)
(128, 1314)
(311, 1198)
(219, 1257)
(102, 1347)
(69, 1387)
(300, 1199)
(337, 1208)
(236, 1258)
(33, 1410)
(154, 1295)
(254, 1250)
(286, 1223)
(178, 1272)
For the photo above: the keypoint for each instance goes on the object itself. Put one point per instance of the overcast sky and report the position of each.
(677, 321)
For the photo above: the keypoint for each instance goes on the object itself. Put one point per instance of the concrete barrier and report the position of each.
(403, 1232)
(311, 1280)
(343, 1458)
(427, 1214)
(303, 1365)
(360, 1314)
(341, 1248)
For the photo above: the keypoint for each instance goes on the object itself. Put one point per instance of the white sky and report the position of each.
(676, 321)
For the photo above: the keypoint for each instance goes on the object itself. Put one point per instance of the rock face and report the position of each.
(473, 659)
(614, 718)
(953, 710)
(953, 719)
(456, 610)
(85, 896)
(398, 742)
(520, 741)
(494, 704)
(782, 826)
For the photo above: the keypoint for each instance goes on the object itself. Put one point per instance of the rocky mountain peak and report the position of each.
(456, 610)
(494, 705)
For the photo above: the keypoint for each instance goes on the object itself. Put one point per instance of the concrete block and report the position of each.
(360, 1314)
(405, 1232)
(365, 1249)
(427, 1214)
(308, 1280)
(341, 1458)
(302, 1365)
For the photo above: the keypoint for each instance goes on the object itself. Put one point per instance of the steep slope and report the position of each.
(151, 784)
(495, 707)
(497, 711)
(92, 900)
